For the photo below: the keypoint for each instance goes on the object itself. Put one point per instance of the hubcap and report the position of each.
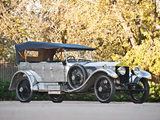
(20, 89)
(73, 77)
(100, 89)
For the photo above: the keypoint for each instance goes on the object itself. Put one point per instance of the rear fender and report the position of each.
(32, 76)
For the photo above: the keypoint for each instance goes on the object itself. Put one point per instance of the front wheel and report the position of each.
(57, 98)
(23, 90)
(104, 89)
(140, 92)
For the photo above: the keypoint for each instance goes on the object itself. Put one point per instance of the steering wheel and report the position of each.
(71, 58)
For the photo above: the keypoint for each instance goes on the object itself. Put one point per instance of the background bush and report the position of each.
(146, 55)
(5, 94)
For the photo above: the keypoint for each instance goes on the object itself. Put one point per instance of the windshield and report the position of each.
(79, 55)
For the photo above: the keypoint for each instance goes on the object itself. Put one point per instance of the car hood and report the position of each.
(95, 64)
(98, 64)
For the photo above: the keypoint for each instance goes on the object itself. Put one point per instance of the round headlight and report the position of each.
(136, 70)
(122, 70)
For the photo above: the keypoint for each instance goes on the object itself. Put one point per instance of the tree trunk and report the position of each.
(127, 29)
(154, 22)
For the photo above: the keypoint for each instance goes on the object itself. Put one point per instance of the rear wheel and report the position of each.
(140, 92)
(57, 98)
(23, 90)
(104, 89)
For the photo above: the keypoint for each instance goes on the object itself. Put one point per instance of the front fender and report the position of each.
(109, 72)
(142, 74)
(92, 78)
(32, 76)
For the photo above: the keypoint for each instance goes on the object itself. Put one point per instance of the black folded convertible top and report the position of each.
(38, 45)
(43, 45)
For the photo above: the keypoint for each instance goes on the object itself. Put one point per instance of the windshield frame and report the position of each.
(77, 59)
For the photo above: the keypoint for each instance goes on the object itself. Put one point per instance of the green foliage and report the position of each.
(5, 94)
(41, 96)
(81, 97)
(121, 97)
(147, 56)
(154, 92)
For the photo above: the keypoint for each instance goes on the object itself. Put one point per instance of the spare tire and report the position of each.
(77, 75)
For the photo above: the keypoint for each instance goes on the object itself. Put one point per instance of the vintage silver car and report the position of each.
(61, 69)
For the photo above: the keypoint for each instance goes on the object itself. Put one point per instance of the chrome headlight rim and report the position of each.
(136, 70)
(121, 70)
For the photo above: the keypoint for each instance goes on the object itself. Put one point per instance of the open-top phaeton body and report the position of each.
(61, 69)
